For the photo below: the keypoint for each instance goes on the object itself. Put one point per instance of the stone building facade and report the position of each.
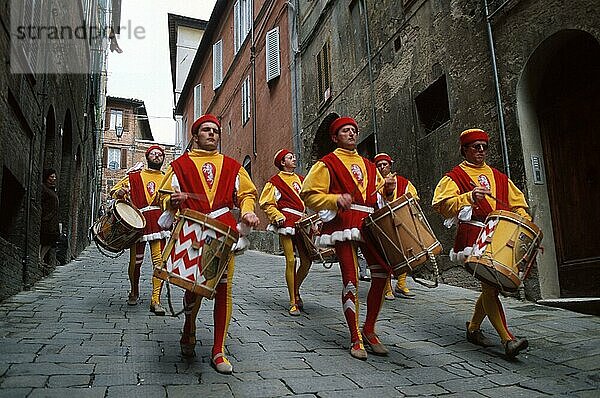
(244, 73)
(47, 120)
(126, 137)
(415, 73)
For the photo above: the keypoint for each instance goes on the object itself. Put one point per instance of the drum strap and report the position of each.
(148, 208)
(219, 212)
(292, 211)
(477, 224)
(364, 209)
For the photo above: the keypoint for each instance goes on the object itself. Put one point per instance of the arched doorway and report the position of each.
(559, 115)
(50, 140)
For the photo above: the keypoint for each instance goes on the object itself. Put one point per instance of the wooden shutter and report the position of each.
(123, 158)
(197, 101)
(272, 54)
(104, 157)
(217, 64)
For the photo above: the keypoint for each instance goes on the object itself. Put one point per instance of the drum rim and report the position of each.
(509, 215)
(135, 210)
(308, 220)
(390, 207)
(217, 225)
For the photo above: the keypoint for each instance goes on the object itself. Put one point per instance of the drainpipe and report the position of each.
(294, 81)
(253, 63)
(503, 142)
(363, 4)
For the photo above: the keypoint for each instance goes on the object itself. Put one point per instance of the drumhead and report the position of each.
(130, 215)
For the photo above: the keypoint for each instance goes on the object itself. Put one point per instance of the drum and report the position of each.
(197, 253)
(505, 250)
(305, 229)
(402, 233)
(119, 228)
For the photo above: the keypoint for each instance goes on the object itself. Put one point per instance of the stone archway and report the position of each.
(558, 102)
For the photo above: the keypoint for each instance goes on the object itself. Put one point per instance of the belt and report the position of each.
(218, 212)
(364, 209)
(478, 224)
(292, 211)
(148, 208)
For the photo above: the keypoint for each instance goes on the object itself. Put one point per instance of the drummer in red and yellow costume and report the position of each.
(402, 185)
(280, 200)
(141, 188)
(343, 187)
(465, 195)
(209, 182)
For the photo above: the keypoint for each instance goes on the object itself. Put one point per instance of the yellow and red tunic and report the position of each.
(453, 200)
(280, 200)
(143, 194)
(341, 171)
(218, 183)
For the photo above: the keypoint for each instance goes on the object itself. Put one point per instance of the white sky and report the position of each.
(143, 70)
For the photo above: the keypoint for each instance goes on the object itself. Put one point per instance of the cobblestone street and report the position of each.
(74, 335)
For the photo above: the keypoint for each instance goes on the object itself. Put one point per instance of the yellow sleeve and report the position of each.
(413, 191)
(165, 185)
(268, 203)
(516, 200)
(315, 189)
(447, 199)
(122, 183)
(247, 194)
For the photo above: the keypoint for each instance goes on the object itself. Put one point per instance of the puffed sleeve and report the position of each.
(315, 189)
(268, 202)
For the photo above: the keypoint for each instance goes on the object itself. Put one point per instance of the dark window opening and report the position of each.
(366, 148)
(432, 105)
(324, 73)
(11, 202)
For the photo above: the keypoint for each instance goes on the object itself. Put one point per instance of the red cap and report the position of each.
(279, 157)
(472, 135)
(340, 122)
(154, 147)
(382, 156)
(205, 118)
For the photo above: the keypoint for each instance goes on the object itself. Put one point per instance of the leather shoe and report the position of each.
(390, 296)
(372, 341)
(132, 300)
(188, 350)
(157, 309)
(476, 337)
(223, 366)
(513, 347)
(294, 311)
(357, 351)
(400, 293)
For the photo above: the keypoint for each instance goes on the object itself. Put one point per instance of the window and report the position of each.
(116, 118)
(114, 158)
(358, 31)
(272, 54)
(217, 64)
(242, 22)
(247, 164)
(246, 100)
(324, 73)
(432, 105)
(197, 101)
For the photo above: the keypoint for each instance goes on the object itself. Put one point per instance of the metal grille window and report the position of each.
(217, 64)
(242, 22)
(114, 158)
(324, 73)
(197, 101)
(246, 100)
(272, 54)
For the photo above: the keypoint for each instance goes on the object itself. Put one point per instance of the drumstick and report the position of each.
(382, 183)
(189, 194)
(503, 203)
